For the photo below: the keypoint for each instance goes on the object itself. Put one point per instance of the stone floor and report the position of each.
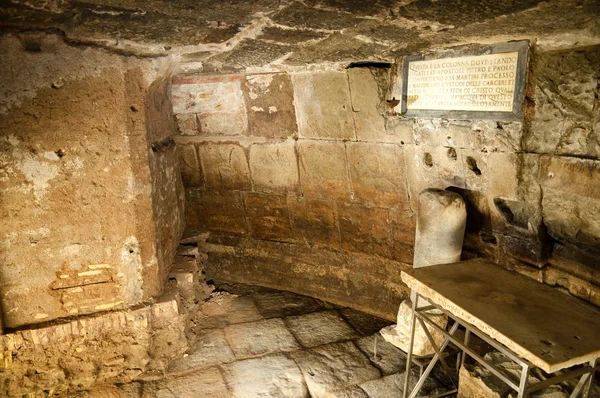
(256, 342)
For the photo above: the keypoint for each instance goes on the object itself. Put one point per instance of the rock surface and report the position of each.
(320, 328)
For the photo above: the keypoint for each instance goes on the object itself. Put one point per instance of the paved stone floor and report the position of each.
(256, 342)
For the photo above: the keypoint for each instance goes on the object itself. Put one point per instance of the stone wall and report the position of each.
(276, 158)
(308, 180)
(87, 224)
(111, 348)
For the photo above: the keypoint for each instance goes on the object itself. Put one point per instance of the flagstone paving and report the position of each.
(256, 342)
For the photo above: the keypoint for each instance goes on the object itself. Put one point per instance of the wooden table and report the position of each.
(532, 323)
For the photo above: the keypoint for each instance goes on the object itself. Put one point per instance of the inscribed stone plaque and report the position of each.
(487, 83)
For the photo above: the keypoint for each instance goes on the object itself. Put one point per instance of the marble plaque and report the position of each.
(479, 83)
(467, 85)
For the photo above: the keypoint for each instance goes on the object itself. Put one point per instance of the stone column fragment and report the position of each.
(441, 222)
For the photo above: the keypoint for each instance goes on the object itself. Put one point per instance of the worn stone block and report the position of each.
(271, 376)
(334, 367)
(216, 211)
(364, 323)
(208, 382)
(391, 386)
(364, 93)
(595, 295)
(313, 221)
(565, 96)
(525, 269)
(503, 175)
(532, 250)
(324, 170)
(448, 162)
(560, 279)
(476, 171)
(282, 304)
(463, 135)
(404, 224)
(431, 132)
(189, 164)
(421, 171)
(377, 174)
(397, 131)
(361, 281)
(320, 328)
(386, 357)
(210, 348)
(579, 176)
(187, 123)
(223, 309)
(323, 107)
(225, 166)
(274, 167)
(268, 216)
(270, 102)
(365, 229)
(218, 102)
(405, 253)
(500, 136)
(259, 338)
(574, 217)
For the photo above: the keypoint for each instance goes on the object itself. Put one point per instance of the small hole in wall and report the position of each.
(60, 153)
(428, 159)
(488, 238)
(131, 251)
(472, 163)
(32, 44)
(133, 108)
(452, 153)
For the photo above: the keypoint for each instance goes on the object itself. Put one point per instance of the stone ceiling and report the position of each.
(217, 36)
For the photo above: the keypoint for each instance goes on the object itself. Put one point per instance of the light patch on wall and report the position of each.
(131, 270)
(13, 140)
(71, 250)
(134, 189)
(76, 164)
(263, 81)
(37, 172)
(53, 156)
(36, 235)
(107, 306)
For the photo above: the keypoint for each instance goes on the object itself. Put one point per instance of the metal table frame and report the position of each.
(521, 386)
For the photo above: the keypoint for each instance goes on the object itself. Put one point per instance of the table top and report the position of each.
(548, 328)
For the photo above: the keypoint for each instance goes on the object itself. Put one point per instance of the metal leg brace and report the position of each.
(520, 386)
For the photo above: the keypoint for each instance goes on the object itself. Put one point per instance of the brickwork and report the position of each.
(110, 348)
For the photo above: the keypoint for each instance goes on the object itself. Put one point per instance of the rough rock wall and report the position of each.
(76, 193)
(308, 181)
(531, 186)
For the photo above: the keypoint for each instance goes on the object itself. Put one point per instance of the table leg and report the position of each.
(523, 383)
(410, 346)
(590, 380)
(463, 353)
